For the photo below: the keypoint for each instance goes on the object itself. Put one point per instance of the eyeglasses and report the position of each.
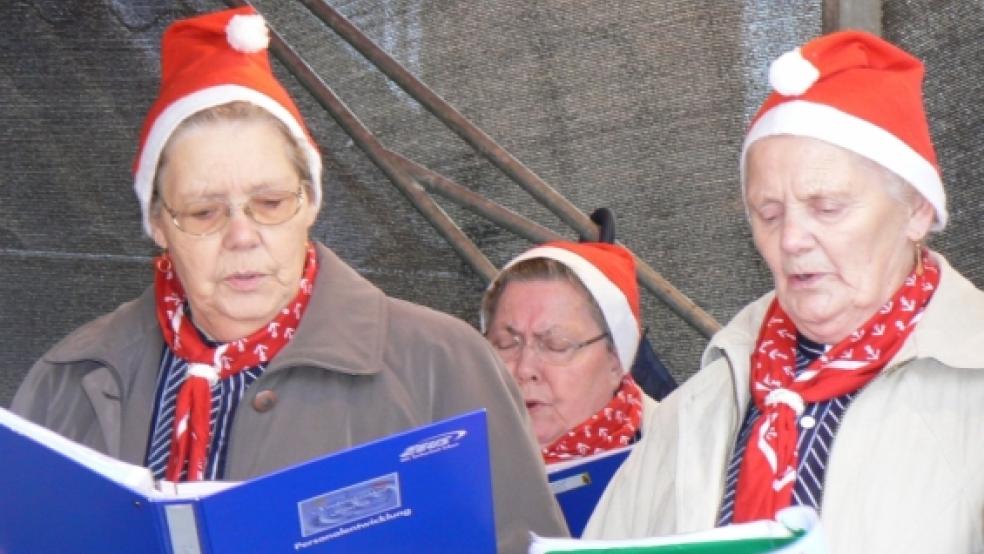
(211, 216)
(554, 350)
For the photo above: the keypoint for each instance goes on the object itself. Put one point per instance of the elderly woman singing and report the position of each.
(565, 319)
(258, 348)
(857, 386)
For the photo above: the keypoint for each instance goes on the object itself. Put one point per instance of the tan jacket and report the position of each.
(361, 366)
(906, 471)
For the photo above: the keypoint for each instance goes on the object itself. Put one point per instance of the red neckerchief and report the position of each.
(614, 426)
(207, 365)
(768, 469)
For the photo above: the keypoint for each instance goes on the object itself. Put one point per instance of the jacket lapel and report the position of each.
(709, 418)
(344, 328)
(949, 330)
(126, 348)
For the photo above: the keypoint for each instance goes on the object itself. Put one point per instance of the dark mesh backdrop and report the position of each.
(631, 104)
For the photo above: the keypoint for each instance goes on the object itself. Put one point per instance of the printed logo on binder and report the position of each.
(433, 445)
(352, 503)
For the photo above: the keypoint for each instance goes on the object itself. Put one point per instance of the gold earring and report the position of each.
(919, 258)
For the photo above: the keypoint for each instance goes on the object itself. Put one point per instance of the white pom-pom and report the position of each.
(791, 74)
(247, 33)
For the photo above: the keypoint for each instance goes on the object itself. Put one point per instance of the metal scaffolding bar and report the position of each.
(476, 203)
(501, 158)
(454, 120)
(410, 177)
(507, 219)
(852, 14)
(373, 148)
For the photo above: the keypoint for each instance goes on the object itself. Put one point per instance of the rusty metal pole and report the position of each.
(454, 120)
(852, 14)
(476, 203)
(373, 148)
(501, 158)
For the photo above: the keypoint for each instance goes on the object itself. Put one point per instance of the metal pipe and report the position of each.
(652, 280)
(676, 300)
(852, 14)
(454, 120)
(373, 148)
(476, 203)
(506, 162)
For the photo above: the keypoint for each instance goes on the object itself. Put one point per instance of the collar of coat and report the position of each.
(343, 329)
(951, 331)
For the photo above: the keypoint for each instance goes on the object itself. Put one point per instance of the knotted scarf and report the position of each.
(614, 426)
(768, 470)
(209, 364)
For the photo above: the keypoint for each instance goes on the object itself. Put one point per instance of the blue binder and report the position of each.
(396, 494)
(578, 485)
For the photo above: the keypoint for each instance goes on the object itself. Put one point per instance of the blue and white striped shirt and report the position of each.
(817, 426)
(225, 398)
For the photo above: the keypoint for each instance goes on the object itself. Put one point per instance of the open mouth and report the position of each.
(802, 279)
(244, 281)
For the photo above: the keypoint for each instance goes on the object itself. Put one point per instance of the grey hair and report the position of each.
(897, 188)
(539, 269)
(234, 111)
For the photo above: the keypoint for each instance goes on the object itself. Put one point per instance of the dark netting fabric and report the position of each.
(631, 104)
(946, 35)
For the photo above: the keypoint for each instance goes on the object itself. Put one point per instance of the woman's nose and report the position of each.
(796, 236)
(526, 365)
(241, 231)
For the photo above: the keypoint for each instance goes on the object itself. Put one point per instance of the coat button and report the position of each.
(264, 401)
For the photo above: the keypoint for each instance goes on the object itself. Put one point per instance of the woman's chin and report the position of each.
(236, 320)
(546, 434)
(813, 312)
(823, 327)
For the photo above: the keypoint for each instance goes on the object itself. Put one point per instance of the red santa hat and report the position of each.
(207, 61)
(608, 272)
(854, 90)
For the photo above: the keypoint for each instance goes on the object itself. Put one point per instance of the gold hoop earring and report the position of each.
(919, 258)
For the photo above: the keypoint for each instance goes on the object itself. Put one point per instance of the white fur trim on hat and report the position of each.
(819, 121)
(614, 305)
(791, 74)
(178, 111)
(247, 33)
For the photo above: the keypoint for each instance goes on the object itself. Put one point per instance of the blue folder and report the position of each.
(397, 494)
(578, 485)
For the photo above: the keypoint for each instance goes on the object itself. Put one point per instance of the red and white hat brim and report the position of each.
(172, 116)
(823, 122)
(615, 307)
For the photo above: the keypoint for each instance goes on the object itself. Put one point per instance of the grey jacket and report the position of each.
(361, 366)
(905, 470)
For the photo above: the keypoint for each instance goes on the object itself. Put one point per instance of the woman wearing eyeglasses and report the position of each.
(564, 318)
(257, 348)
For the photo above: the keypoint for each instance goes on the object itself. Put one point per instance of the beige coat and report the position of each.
(906, 471)
(361, 366)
